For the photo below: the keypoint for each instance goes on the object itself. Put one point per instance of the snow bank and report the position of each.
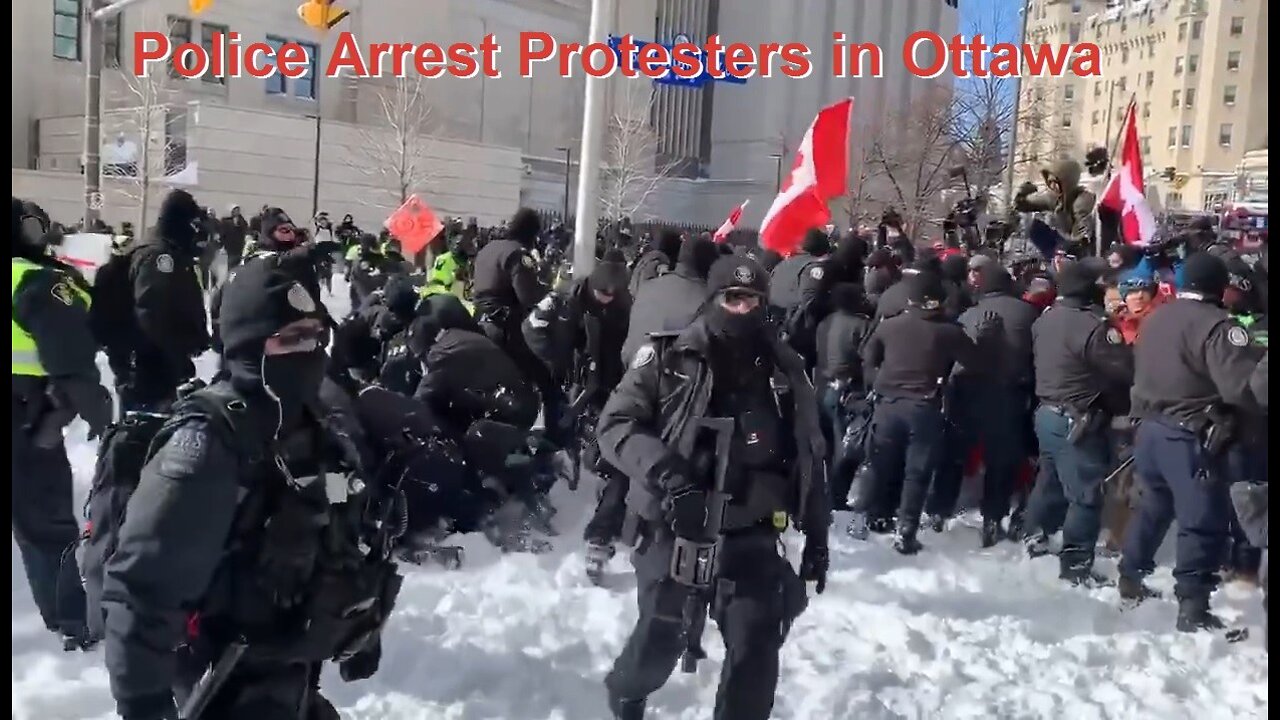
(955, 632)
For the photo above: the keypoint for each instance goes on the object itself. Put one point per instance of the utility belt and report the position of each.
(1080, 422)
(1214, 428)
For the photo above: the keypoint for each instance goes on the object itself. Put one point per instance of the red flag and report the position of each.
(821, 172)
(729, 224)
(1125, 193)
(414, 225)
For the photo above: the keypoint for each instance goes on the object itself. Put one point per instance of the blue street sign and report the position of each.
(669, 77)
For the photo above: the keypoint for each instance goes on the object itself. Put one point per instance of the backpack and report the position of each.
(111, 317)
(127, 446)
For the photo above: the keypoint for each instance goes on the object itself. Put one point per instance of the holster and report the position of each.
(1218, 432)
(1081, 423)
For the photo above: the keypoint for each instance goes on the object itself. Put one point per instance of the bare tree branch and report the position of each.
(149, 112)
(912, 152)
(394, 153)
(634, 168)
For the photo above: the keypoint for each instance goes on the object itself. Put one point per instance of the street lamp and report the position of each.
(568, 158)
(315, 170)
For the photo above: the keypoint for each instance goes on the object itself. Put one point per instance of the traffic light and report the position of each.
(199, 6)
(321, 14)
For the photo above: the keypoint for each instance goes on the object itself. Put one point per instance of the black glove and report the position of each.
(89, 400)
(686, 512)
(288, 558)
(814, 561)
(989, 324)
(149, 707)
(1026, 188)
(363, 664)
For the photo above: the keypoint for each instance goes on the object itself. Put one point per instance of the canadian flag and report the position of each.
(820, 172)
(1125, 193)
(730, 223)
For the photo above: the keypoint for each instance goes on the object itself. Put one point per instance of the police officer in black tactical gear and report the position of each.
(1082, 370)
(989, 407)
(505, 289)
(578, 334)
(364, 342)
(911, 356)
(369, 272)
(169, 324)
(54, 379)
(838, 379)
(671, 301)
(787, 277)
(656, 261)
(726, 365)
(1193, 364)
(251, 551)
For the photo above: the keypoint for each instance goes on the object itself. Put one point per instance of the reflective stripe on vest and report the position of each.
(26, 357)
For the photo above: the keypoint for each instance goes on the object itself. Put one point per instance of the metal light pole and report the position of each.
(568, 159)
(777, 173)
(315, 171)
(593, 118)
(1012, 156)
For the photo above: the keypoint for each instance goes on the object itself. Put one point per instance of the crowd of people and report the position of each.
(244, 530)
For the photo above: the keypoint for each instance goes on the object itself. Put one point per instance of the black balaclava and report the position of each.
(734, 272)
(697, 255)
(850, 252)
(1206, 275)
(926, 292)
(267, 295)
(955, 269)
(524, 227)
(438, 313)
(993, 278)
(669, 244)
(273, 218)
(26, 233)
(179, 221)
(609, 276)
(816, 242)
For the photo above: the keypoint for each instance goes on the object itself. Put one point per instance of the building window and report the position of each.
(1177, 65)
(1151, 77)
(1182, 32)
(303, 87)
(1094, 117)
(207, 31)
(1122, 84)
(1177, 99)
(1229, 95)
(1146, 110)
(179, 33)
(66, 29)
(1069, 92)
(1237, 26)
(1191, 98)
(1124, 54)
(1193, 63)
(1197, 28)
(1066, 121)
(1233, 60)
(1186, 136)
(111, 43)
(1173, 136)
(1224, 134)
(1097, 89)
(1073, 32)
(1146, 144)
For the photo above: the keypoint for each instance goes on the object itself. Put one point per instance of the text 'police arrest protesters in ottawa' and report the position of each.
(248, 545)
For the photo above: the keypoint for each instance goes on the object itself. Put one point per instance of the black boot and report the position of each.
(937, 522)
(1037, 545)
(905, 541)
(880, 525)
(992, 533)
(1193, 615)
(1135, 591)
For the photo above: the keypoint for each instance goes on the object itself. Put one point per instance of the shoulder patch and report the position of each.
(184, 452)
(1237, 336)
(526, 260)
(300, 299)
(816, 272)
(644, 356)
(61, 292)
(546, 303)
(164, 263)
(1114, 337)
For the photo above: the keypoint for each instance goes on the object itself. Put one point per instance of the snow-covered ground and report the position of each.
(955, 632)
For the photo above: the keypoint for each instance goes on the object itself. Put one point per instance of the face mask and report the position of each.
(294, 379)
(735, 326)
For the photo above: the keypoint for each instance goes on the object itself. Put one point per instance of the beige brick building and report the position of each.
(1196, 68)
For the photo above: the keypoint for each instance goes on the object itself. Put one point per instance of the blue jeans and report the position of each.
(1068, 491)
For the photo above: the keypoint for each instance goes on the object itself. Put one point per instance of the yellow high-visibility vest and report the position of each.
(26, 357)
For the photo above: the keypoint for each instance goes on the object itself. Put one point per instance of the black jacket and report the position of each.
(650, 264)
(666, 303)
(839, 341)
(468, 377)
(1079, 357)
(650, 418)
(566, 325)
(506, 276)
(1014, 354)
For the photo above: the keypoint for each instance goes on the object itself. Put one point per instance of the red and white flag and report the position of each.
(820, 172)
(1125, 193)
(729, 224)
